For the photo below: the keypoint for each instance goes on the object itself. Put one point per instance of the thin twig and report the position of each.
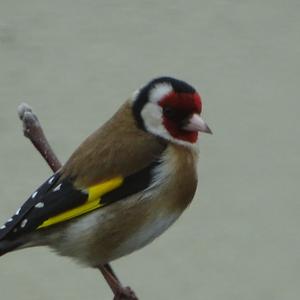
(33, 130)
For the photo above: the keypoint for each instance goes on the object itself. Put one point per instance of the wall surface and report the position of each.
(76, 61)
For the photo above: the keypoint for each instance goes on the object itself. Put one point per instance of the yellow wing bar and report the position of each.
(93, 202)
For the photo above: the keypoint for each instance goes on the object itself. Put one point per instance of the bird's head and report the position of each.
(169, 108)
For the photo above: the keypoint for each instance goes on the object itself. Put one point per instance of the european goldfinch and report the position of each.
(124, 185)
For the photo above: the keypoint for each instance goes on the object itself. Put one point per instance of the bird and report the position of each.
(125, 185)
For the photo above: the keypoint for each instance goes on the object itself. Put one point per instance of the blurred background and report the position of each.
(76, 62)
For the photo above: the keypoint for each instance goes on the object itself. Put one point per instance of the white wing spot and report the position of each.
(18, 211)
(24, 222)
(57, 188)
(40, 205)
(85, 192)
(10, 220)
(3, 227)
(51, 180)
(34, 195)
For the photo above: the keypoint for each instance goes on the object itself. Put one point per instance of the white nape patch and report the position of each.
(51, 180)
(24, 222)
(34, 194)
(40, 205)
(2, 227)
(56, 189)
(135, 94)
(18, 211)
(160, 91)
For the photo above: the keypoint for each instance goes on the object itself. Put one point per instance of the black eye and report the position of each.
(176, 115)
(170, 112)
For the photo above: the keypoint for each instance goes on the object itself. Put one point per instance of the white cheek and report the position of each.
(159, 92)
(153, 120)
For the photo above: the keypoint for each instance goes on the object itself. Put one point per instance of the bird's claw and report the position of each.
(125, 293)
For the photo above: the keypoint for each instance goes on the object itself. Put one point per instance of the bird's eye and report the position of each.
(175, 115)
(169, 112)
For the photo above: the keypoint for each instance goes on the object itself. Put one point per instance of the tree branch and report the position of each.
(33, 130)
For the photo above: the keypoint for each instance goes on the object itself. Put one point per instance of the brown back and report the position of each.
(117, 148)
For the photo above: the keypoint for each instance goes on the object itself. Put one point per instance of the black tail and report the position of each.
(8, 246)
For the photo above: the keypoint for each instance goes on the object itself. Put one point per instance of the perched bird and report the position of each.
(124, 185)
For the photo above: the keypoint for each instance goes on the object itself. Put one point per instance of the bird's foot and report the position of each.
(125, 293)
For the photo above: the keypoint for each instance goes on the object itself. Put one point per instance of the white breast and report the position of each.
(162, 220)
(85, 238)
(147, 233)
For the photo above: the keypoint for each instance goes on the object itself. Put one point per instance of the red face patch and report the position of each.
(177, 108)
(183, 101)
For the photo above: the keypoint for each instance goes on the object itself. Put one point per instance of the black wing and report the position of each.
(56, 196)
(51, 198)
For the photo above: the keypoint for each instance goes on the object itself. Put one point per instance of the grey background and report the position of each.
(75, 62)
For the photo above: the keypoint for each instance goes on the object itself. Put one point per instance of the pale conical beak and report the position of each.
(196, 123)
